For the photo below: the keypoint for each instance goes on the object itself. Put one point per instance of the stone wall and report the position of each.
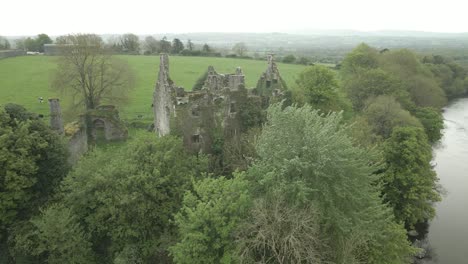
(77, 145)
(221, 110)
(11, 53)
(106, 124)
(56, 121)
(163, 98)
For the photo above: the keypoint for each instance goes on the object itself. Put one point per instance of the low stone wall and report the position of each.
(11, 53)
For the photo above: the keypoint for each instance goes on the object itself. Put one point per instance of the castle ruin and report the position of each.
(218, 110)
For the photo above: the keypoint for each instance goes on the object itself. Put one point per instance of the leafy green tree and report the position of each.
(318, 86)
(42, 39)
(433, 122)
(4, 43)
(208, 220)
(410, 183)
(56, 236)
(177, 46)
(206, 48)
(165, 45)
(33, 160)
(190, 45)
(384, 113)
(403, 63)
(363, 57)
(129, 198)
(308, 158)
(37, 44)
(130, 43)
(425, 92)
(289, 59)
(372, 83)
(151, 45)
(303, 61)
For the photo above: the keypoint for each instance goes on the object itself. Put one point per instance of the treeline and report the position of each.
(393, 99)
(337, 173)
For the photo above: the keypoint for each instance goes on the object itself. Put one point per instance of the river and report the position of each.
(448, 232)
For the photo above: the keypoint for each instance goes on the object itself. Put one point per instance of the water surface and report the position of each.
(448, 232)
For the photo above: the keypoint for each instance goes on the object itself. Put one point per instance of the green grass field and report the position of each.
(24, 79)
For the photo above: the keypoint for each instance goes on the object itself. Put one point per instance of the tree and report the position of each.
(90, 74)
(303, 61)
(372, 83)
(130, 43)
(410, 183)
(33, 161)
(190, 45)
(208, 220)
(276, 232)
(362, 57)
(56, 236)
(30, 44)
(124, 203)
(206, 48)
(384, 113)
(318, 86)
(289, 59)
(240, 49)
(19, 44)
(151, 45)
(425, 92)
(165, 45)
(433, 122)
(177, 46)
(4, 43)
(309, 160)
(42, 39)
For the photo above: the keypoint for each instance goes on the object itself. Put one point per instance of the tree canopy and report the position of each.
(33, 161)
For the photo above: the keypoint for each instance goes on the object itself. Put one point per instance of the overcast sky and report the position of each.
(56, 17)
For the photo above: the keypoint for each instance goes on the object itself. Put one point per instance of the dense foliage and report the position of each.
(333, 174)
(33, 161)
(120, 206)
(409, 183)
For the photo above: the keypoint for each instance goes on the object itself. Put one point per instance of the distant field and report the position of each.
(24, 79)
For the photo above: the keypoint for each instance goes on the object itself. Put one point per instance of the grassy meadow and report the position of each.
(24, 79)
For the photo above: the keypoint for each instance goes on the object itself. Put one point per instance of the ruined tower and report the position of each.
(270, 82)
(163, 103)
(56, 121)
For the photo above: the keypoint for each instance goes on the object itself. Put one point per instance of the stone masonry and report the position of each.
(56, 121)
(200, 117)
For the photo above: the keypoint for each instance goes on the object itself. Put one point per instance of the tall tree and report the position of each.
(151, 45)
(190, 45)
(208, 219)
(124, 204)
(410, 183)
(90, 74)
(4, 43)
(42, 39)
(177, 46)
(206, 48)
(33, 161)
(130, 43)
(308, 159)
(384, 113)
(165, 45)
(318, 86)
